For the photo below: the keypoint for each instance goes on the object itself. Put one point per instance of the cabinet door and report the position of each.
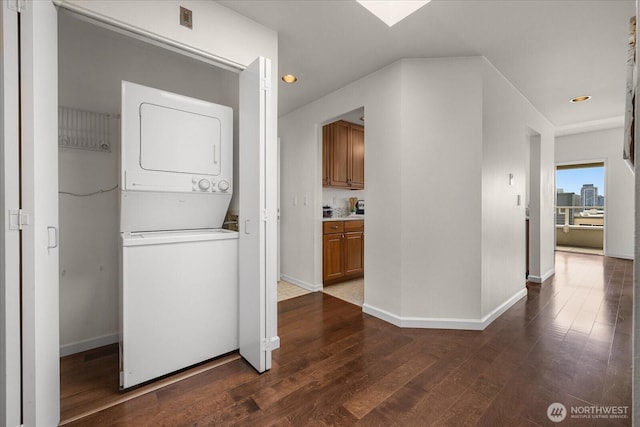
(339, 147)
(356, 162)
(332, 257)
(326, 155)
(354, 254)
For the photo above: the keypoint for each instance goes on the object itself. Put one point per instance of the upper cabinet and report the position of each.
(343, 155)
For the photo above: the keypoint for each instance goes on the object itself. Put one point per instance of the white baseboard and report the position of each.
(621, 256)
(540, 279)
(444, 323)
(88, 344)
(489, 318)
(301, 283)
(275, 342)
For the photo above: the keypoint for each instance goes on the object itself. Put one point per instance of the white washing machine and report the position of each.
(179, 302)
(179, 269)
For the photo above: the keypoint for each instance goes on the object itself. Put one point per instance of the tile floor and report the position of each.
(351, 291)
(577, 250)
(287, 291)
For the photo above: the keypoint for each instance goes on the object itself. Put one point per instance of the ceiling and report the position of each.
(551, 51)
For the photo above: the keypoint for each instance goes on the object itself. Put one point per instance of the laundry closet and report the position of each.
(168, 237)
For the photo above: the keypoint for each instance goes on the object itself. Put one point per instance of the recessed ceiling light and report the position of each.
(392, 11)
(581, 98)
(289, 78)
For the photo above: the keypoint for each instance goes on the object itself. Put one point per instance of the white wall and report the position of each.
(89, 225)
(606, 145)
(301, 162)
(426, 197)
(441, 146)
(508, 120)
(217, 31)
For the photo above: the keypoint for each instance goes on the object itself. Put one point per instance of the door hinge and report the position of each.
(265, 344)
(17, 5)
(265, 84)
(18, 219)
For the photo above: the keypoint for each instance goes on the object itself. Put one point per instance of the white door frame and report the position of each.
(39, 199)
(10, 368)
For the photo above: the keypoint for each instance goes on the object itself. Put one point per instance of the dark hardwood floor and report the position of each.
(568, 341)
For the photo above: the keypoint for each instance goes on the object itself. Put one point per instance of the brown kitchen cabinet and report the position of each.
(343, 155)
(342, 251)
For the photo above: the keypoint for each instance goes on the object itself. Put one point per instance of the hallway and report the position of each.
(568, 342)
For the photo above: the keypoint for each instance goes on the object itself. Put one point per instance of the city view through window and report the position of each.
(580, 201)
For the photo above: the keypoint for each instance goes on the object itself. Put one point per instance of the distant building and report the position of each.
(600, 201)
(589, 195)
(566, 199)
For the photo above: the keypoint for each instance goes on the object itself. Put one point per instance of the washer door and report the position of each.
(173, 140)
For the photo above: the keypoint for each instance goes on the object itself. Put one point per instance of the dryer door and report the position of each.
(191, 147)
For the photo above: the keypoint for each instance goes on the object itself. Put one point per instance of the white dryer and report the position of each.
(176, 162)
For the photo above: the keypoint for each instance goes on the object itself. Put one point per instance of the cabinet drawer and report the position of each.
(331, 227)
(355, 225)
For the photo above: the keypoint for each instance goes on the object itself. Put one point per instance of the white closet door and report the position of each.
(39, 150)
(256, 216)
(9, 200)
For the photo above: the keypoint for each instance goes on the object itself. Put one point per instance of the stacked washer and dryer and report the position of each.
(179, 268)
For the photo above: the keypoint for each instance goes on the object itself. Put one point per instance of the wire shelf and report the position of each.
(85, 130)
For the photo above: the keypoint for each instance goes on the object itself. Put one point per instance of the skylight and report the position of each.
(393, 11)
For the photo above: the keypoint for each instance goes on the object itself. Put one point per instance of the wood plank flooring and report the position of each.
(568, 341)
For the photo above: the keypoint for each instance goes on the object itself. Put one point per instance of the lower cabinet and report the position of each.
(343, 250)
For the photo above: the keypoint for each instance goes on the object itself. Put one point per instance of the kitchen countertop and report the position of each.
(343, 218)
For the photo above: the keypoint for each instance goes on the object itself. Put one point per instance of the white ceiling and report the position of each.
(551, 50)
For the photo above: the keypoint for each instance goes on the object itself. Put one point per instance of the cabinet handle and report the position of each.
(335, 227)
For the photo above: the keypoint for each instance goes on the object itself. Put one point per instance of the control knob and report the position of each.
(223, 185)
(204, 184)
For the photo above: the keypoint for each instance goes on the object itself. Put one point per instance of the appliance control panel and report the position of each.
(208, 185)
